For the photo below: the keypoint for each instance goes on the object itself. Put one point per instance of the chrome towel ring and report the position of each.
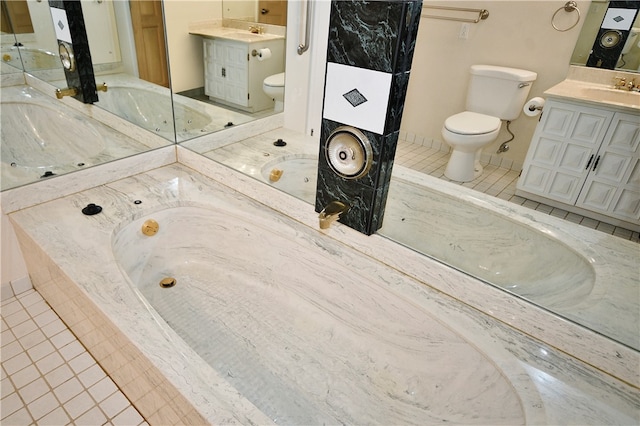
(568, 7)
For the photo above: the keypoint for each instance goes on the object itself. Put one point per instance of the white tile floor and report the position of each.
(497, 181)
(48, 378)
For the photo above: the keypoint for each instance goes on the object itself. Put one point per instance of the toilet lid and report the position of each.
(276, 80)
(472, 123)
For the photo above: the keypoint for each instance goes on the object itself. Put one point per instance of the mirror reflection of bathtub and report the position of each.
(42, 138)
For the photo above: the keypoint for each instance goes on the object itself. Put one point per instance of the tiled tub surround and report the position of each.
(40, 135)
(576, 272)
(401, 346)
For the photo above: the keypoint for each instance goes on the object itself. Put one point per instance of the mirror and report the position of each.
(130, 54)
(630, 58)
(217, 67)
(11, 63)
(48, 153)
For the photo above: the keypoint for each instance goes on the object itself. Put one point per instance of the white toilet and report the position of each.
(494, 94)
(273, 86)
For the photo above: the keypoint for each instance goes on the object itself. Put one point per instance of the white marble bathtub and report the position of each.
(582, 274)
(297, 326)
(42, 137)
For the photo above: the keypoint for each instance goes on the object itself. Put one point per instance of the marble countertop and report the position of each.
(595, 87)
(235, 34)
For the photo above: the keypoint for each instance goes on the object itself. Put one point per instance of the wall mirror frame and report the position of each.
(175, 51)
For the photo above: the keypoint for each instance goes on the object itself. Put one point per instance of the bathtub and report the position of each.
(273, 322)
(595, 285)
(156, 109)
(31, 59)
(43, 138)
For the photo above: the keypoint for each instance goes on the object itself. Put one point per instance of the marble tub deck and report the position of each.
(601, 293)
(71, 262)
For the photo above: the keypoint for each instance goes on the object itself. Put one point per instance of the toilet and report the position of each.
(273, 86)
(495, 94)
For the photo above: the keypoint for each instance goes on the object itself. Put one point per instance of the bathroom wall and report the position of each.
(185, 50)
(517, 34)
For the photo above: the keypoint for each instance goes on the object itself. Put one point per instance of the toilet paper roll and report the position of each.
(533, 107)
(264, 54)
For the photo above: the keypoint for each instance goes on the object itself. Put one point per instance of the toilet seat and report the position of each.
(472, 123)
(275, 80)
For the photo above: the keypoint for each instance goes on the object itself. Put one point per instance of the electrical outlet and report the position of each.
(464, 31)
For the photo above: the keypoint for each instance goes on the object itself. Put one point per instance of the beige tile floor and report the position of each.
(48, 378)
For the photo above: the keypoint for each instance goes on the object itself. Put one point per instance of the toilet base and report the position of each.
(464, 166)
(278, 106)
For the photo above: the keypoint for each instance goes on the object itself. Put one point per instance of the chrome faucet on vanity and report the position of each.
(331, 212)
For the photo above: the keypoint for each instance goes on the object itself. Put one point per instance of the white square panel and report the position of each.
(618, 19)
(357, 97)
(61, 24)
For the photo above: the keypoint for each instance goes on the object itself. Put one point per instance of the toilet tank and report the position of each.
(498, 91)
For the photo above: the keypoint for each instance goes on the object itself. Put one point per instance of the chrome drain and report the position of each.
(167, 282)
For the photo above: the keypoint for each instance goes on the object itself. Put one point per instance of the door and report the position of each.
(148, 34)
(273, 12)
(15, 15)
(613, 185)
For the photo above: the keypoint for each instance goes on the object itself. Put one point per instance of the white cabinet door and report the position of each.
(226, 71)
(563, 150)
(613, 186)
(236, 64)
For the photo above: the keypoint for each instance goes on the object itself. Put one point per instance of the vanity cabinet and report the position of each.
(234, 75)
(585, 159)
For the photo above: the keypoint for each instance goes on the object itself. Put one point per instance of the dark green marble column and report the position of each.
(371, 45)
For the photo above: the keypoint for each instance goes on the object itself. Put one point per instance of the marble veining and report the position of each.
(397, 342)
(156, 109)
(41, 137)
(608, 305)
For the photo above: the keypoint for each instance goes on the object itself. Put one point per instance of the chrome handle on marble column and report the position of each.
(304, 46)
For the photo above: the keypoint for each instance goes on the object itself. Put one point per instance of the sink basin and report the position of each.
(245, 36)
(604, 94)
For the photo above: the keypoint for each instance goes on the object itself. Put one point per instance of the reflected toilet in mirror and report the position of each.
(273, 86)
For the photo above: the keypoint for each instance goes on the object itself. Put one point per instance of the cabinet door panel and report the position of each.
(628, 205)
(598, 196)
(625, 136)
(575, 158)
(557, 121)
(588, 128)
(536, 178)
(565, 187)
(612, 167)
(547, 151)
